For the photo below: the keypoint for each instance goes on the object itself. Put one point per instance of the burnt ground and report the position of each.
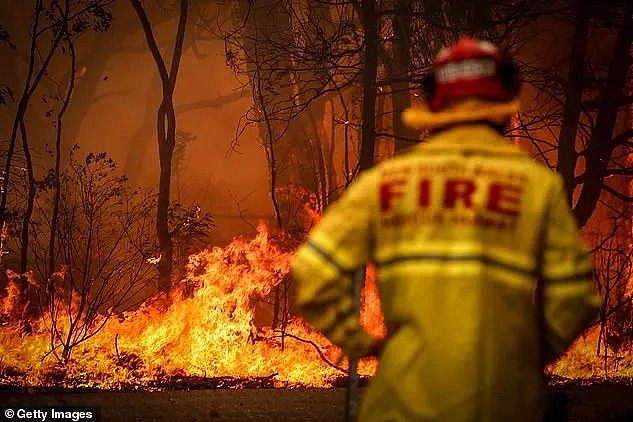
(596, 403)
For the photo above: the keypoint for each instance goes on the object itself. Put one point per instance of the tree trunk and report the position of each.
(567, 155)
(368, 136)
(165, 153)
(332, 174)
(58, 153)
(26, 220)
(313, 131)
(400, 98)
(346, 140)
(166, 133)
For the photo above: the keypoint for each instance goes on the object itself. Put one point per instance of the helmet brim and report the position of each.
(465, 111)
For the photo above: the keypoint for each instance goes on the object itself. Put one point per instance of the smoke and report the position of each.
(229, 182)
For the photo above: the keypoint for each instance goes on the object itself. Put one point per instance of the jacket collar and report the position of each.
(475, 137)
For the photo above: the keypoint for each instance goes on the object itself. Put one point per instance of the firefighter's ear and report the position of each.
(428, 86)
(509, 76)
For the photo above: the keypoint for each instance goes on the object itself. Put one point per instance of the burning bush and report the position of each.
(102, 234)
(210, 333)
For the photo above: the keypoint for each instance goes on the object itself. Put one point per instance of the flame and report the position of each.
(371, 317)
(582, 362)
(215, 331)
(211, 333)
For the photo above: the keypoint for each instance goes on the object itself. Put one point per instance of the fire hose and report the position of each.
(352, 393)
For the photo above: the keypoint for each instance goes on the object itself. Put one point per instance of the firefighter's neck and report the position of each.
(500, 127)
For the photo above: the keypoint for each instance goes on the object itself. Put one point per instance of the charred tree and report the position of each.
(33, 79)
(166, 132)
(55, 26)
(567, 155)
(602, 142)
(370, 64)
(30, 200)
(400, 80)
(52, 253)
(584, 102)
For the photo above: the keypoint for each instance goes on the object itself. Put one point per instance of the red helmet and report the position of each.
(471, 68)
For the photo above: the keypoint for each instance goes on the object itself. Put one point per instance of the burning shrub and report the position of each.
(100, 240)
(211, 334)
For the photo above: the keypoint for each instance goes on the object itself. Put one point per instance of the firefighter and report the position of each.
(461, 229)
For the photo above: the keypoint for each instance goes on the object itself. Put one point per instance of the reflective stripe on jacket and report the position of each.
(454, 227)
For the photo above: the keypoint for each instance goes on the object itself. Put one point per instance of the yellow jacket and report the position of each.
(454, 228)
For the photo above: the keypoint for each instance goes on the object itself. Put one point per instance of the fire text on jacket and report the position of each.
(460, 199)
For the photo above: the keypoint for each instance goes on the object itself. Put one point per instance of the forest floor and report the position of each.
(596, 403)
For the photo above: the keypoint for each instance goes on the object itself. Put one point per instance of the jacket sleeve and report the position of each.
(324, 265)
(569, 298)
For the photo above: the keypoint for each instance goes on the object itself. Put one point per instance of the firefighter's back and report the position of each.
(458, 222)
